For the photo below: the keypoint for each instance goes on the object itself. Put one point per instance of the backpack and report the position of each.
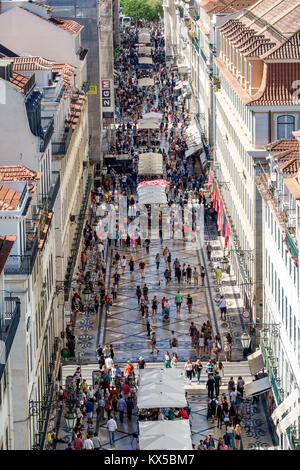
(174, 343)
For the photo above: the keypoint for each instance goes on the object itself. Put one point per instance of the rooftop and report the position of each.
(9, 198)
(225, 6)
(6, 244)
(293, 185)
(19, 81)
(70, 26)
(18, 173)
(287, 154)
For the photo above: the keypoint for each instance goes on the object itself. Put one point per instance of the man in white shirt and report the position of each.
(112, 427)
(223, 308)
(88, 444)
(109, 363)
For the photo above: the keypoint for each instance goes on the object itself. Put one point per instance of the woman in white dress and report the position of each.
(174, 360)
(123, 264)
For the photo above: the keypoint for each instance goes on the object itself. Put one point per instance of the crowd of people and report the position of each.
(112, 398)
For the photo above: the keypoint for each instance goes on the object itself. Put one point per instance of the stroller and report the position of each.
(166, 314)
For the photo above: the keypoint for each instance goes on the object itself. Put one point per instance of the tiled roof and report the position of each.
(9, 198)
(287, 154)
(67, 72)
(225, 6)
(290, 49)
(293, 185)
(6, 244)
(18, 173)
(31, 63)
(277, 86)
(19, 81)
(71, 26)
(48, 8)
(283, 144)
(77, 102)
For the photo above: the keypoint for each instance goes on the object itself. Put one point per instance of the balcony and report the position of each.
(271, 372)
(61, 148)
(23, 264)
(47, 134)
(291, 241)
(47, 202)
(8, 331)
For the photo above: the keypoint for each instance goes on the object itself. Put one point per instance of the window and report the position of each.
(290, 324)
(285, 126)
(278, 294)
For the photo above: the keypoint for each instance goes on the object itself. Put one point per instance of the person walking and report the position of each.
(174, 360)
(123, 264)
(227, 350)
(154, 305)
(240, 386)
(210, 385)
(198, 370)
(130, 406)
(237, 437)
(178, 301)
(153, 343)
(202, 274)
(188, 367)
(219, 276)
(142, 269)
(223, 308)
(218, 383)
(131, 264)
(112, 427)
(220, 416)
(188, 274)
(167, 360)
(208, 251)
(195, 276)
(138, 293)
(157, 261)
(189, 302)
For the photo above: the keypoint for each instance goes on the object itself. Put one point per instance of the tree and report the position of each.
(142, 9)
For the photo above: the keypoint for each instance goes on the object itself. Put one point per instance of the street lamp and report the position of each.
(70, 419)
(246, 341)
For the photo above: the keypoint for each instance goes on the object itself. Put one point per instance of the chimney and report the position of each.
(6, 68)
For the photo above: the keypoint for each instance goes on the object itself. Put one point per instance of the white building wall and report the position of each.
(48, 40)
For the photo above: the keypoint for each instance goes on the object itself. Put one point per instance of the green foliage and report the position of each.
(149, 10)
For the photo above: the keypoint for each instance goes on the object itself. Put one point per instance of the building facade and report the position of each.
(279, 341)
(46, 106)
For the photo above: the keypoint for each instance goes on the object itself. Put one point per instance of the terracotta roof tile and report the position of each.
(293, 185)
(6, 244)
(283, 144)
(290, 49)
(31, 63)
(9, 198)
(18, 173)
(68, 25)
(222, 6)
(71, 26)
(277, 85)
(19, 81)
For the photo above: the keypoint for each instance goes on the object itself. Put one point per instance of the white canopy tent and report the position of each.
(165, 435)
(144, 50)
(172, 376)
(161, 395)
(152, 195)
(148, 124)
(146, 81)
(144, 38)
(145, 60)
(150, 164)
(153, 115)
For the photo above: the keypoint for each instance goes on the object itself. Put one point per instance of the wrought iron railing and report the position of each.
(61, 148)
(9, 329)
(22, 264)
(78, 235)
(47, 136)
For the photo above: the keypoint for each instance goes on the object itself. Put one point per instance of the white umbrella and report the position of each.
(146, 81)
(153, 114)
(165, 435)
